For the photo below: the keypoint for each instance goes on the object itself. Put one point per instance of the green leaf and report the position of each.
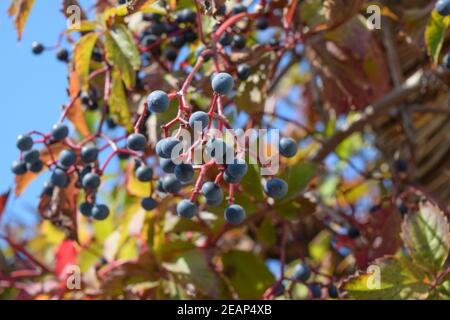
(82, 57)
(435, 33)
(251, 183)
(320, 245)
(298, 177)
(247, 273)
(426, 235)
(121, 51)
(388, 280)
(118, 104)
(267, 233)
(192, 267)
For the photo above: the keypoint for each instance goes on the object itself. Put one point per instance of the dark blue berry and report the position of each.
(226, 39)
(136, 142)
(184, 172)
(333, 291)
(316, 290)
(446, 61)
(89, 154)
(158, 101)
(238, 8)
(167, 165)
(222, 83)
(19, 167)
(302, 272)
(288, 147)
(86, 209)
(171, 184)
(62, 55)
(24, 143)
(144, 173)
(149, 204)
(238, 42)
(443, 7)
(100, 212)
(91, 181)
(186, 208)
(234, 214)
(262, 23)
(276, 188)
(59, 132)
(31, 156)
(37, 48)
(165, 148)
(213, 193)
(67, 158)
(237, 169)
(48, 188)
(60, 178)
(353, 233)
(199, 120)
(35, 166)
(243, 72)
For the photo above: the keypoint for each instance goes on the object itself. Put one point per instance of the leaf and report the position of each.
(320, 245)
(3, 199)
(84, 26)
(66, 255)
(118, 104)
(23, 181)
(82, 57)
(426, 235)
(266, 233)
(247, 273)
(395, 282)
(297, 178)
(75, 113)
(121, 51)
(434, 34)
(192, 267)
(20, 10)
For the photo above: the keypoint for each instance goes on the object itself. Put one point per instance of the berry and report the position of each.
(86, 209)
(222, 83)
(234, 214)
(48, 188)
(185, 16)
(218, 149)
(24, 143)
(237, 169)
(213, 193)
(100, 212)
(62, 55)
(201, 117)
(402, 209)
(190, 36)
(446, 61)
(238, 8)
(136, 142)
(238, 42)
(333, 291)
(353, 233)
(144, 173)
(443, 7)
(59, 132)
(67, 158)
(37, 48)
(158, 28)
(19, 167)
(111, 123)
(158, 101)
(302, 272)
(159, 186)
(171, 184)
(177, 41)
(400, 165)
(184, 172)
(59, 178)
(186, 209)
(171, 54)
(35, 166)
(316, 290)
(149, 204)
(276, 188)
(89, 154)
(165, 147)
(148, 39)
(243, 72)
(91, 181)
(30, 156)
(231, 179)
(288, 147)
(262, 23)
(167, 165)
(226, 39)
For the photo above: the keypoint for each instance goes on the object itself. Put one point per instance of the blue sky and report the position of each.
(32, 88)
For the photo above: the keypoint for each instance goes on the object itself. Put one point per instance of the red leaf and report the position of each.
(3, 199)
(66, 254)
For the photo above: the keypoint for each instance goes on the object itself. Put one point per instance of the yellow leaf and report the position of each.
(136, 187)
(82, 57)
(118, 104)
(20, 10)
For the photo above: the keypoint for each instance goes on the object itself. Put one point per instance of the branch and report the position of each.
(371, 113)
